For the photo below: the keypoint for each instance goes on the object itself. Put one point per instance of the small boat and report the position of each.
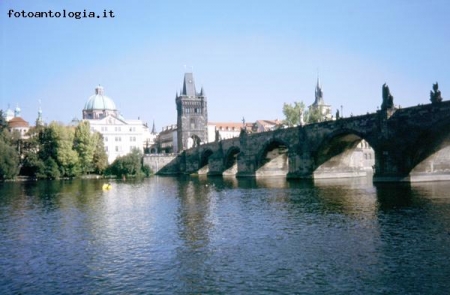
(106, 186)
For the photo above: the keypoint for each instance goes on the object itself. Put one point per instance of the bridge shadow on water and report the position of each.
(347, 194)
(393, 196)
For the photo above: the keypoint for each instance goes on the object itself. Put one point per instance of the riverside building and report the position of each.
(120, 135)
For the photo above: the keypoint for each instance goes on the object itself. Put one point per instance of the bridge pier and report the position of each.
(246, 166)
(215, 164)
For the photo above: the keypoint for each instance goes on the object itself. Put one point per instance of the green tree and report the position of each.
(84, 144)
(33, 166)
(56, 142)
(314, 116)
(47, 143)
(100, 158)
(128, 165)
(3, 123)
(66, 157)
(6, 136)
(9, 161)
(51, 170)
(30, 146)
(292, 113)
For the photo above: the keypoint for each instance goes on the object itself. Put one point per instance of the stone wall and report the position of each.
(162, 163)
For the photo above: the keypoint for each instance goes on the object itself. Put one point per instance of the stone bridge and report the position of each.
(410, 144)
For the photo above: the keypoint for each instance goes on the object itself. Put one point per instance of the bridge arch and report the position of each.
(430, 152)
(203, 163)
(230, 161)
(344, 153)
(272, 159)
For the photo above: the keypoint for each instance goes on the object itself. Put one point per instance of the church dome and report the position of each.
(99, 101)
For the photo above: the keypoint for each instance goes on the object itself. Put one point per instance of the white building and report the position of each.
(223, 130)
(168, 140)
(120, 136)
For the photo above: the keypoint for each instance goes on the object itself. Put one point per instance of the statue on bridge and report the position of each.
(435, 94)
(388, 99)
(193, 141)
(218, 137)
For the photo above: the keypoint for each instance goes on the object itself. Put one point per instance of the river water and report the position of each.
(190, 235)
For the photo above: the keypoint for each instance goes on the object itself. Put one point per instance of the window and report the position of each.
(105, 138)
(117, 128)
(118, 138)
(132, 138)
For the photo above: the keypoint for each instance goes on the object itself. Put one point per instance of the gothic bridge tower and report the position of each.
(192, 115)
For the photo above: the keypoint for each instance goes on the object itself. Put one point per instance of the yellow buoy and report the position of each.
(106, 186)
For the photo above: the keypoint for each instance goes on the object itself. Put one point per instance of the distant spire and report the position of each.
(153, 128)
(319, 93)
(188, 85)
(17, 111)
(39, 120)
(202, 92)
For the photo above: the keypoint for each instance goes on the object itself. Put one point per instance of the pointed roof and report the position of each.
(319, 93)
(189, 85)
(153, 128)
(202, 92)
(17, 111)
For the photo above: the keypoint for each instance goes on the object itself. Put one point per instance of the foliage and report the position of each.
(292, 113)
(6, 136)
(51, 170)
(33, 166)
(9, 161)
(84, 145)
(56, 151)
(146, 170)
(129, 165)
(314, 115)
(3, 123)
(100, 159)
(61, 140)
(61, 151)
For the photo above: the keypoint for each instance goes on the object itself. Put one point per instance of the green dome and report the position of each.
(99, 101)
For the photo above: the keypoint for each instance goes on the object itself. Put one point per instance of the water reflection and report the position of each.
(196, 235)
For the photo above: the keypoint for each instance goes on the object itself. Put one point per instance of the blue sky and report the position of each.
(250, 56)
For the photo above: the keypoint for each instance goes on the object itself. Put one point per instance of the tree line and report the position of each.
(294, 112)
(58, 151)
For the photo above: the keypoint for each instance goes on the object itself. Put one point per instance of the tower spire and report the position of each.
(319, 92)
(189, 85)
(153, 128)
